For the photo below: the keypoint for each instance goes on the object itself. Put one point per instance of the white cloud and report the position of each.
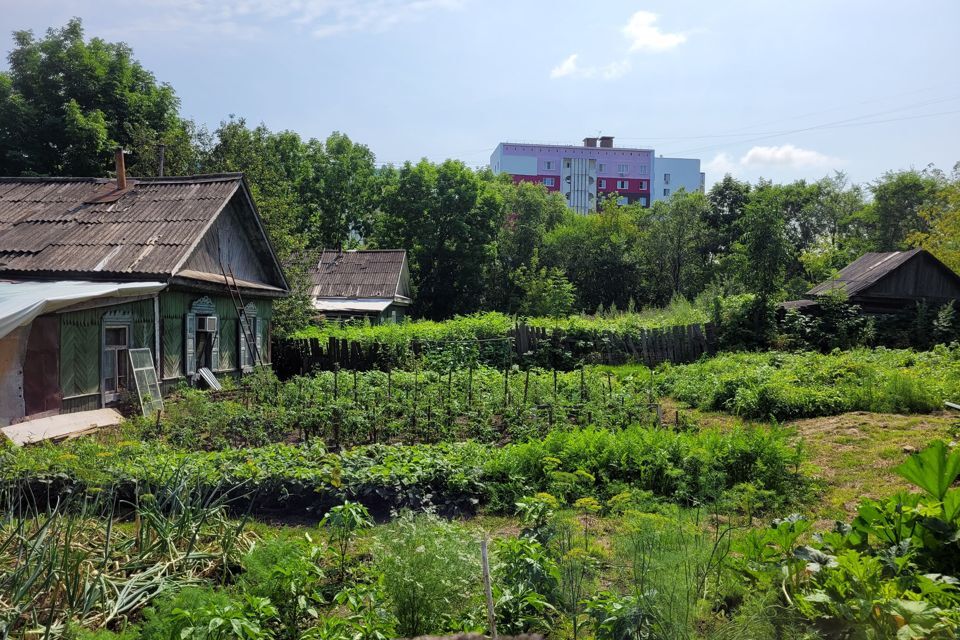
(566, 68)
(644, 35)
(571, 68)
(320, 18)
(721, 164)
(785, 155)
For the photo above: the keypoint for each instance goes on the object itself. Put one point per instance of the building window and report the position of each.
(567, 164)
(116, 339)
(603, 183)
(643, 169)
(622, 169)
(548, 165)
(643, 201)
(623, 184)
(666, 192)
(643, 185)
(623, 200)
(548, 182)
(666, 178)
(601, 167)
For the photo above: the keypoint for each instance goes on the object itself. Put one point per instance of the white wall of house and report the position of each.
(672, 174)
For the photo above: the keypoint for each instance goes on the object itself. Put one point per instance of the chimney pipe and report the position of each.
(163, 154)
(121, 168)
(606, 142)
(589, 142)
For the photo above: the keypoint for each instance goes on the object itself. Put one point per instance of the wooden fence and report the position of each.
(522, 344)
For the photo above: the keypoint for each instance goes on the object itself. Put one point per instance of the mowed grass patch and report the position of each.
(853, 454)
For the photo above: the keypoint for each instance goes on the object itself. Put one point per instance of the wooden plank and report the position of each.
(61, 427)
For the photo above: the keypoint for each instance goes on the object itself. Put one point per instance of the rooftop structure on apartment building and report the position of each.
(585, 174)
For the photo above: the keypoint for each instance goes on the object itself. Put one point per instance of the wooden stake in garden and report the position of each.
(487, 588)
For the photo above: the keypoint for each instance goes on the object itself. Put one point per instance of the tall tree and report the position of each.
(447, 217)
(65, 104)
(941, 215)
(677, 245)
(895, 211)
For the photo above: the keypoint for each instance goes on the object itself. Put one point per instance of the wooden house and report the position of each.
(887, 283)
(91, 267)
(372, 284)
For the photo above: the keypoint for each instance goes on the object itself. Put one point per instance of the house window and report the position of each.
(603, 183)
(666, 178)
(643, 201)
(250, 345)
(643, 169)
(601, 167)
(622, 169)
(623, 184)
(643, 185)
(567, 164)
(666, 192)
(623, 200)
(116, 366)
(548, 165)
(201, 337)
(548, 182)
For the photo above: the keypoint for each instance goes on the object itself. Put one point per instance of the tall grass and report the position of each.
(94, 558)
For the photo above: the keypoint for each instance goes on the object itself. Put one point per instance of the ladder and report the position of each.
(245, 327)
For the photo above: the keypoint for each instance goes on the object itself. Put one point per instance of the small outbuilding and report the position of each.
(370, 284)
(92, 268)
(887, 283)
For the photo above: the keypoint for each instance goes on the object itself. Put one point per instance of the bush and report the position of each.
(430, 571)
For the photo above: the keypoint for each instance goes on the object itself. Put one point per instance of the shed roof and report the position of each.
(359, 274)
(864, 272)
(87, 226)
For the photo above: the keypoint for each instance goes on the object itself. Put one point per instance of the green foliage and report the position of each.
(785, 386)
(66, 103)
(342, 522)
(545, 292)
(428, 568)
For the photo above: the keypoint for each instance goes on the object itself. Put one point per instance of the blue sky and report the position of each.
(759, 88)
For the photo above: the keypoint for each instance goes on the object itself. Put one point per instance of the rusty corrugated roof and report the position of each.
(358, 274)
(51, 225)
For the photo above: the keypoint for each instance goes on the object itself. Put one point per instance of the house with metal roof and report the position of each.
(92, 268)
(887, 283)
(371, 284)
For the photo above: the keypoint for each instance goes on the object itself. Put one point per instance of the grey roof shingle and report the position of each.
(358, 274)
(51, 225)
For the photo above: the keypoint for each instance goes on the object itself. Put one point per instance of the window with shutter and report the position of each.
(189, 344)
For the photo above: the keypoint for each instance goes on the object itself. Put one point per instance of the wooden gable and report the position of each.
(235, 241)
(923, 276)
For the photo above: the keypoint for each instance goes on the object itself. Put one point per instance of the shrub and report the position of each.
(430, 572)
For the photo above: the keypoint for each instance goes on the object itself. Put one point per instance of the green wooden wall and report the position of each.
(80, 344)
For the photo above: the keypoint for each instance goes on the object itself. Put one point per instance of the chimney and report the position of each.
(121, 168)
(606, 142)
(589, 142)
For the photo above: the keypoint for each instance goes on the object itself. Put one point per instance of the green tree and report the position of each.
(546, 291)
(600, 254)
(447, 217)
(340, 192)
(941, 217)
(728, 198)
(677, 245)
(65, 104)
(898, 198)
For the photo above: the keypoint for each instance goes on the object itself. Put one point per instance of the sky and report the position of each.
(755, 88)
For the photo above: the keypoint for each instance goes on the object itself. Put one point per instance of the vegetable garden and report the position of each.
(352, 505)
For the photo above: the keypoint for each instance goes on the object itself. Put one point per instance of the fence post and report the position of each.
(487, 588)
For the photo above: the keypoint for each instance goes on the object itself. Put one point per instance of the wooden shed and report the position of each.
(888, 283)
(372, 284)
(90, 268)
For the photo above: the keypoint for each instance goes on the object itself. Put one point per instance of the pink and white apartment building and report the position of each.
(588, 173)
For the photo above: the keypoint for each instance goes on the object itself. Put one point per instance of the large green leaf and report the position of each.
(934, 469)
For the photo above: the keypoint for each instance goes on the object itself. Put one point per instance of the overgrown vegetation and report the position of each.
(792, 385)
